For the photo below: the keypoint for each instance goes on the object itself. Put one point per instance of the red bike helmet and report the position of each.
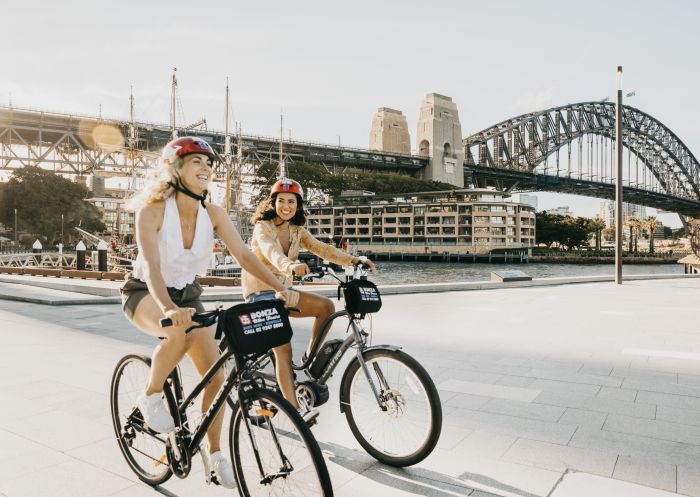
(287, 185)
(180, 147)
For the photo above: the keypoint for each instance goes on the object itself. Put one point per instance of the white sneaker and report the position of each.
(155, 412)
(222, 469)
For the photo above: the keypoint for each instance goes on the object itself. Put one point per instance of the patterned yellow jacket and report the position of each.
(267, 247)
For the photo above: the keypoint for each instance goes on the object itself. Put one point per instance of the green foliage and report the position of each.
(565, 231)
(40, 197)
(315, 178)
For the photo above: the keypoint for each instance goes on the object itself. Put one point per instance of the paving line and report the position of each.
(691, 356)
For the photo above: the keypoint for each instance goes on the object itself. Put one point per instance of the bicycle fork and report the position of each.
(360, 357)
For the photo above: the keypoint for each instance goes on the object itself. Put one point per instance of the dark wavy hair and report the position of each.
(266, 211)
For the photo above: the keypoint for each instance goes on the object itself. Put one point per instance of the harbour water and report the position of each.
(391, 273)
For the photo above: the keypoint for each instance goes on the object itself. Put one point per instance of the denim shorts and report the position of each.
(264, 295)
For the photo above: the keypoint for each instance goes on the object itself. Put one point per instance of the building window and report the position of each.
(433, 220)
(448, 220)
(481, 219)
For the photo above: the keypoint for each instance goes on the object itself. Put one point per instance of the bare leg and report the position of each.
(169, 351)
(198, 344)
(309, 305)
(285, 374)
(203, 351)
(317, 306)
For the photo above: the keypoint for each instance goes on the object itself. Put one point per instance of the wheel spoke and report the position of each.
(405, 426)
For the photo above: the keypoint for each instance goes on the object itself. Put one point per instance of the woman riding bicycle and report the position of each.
(175, 228)
(277, 237)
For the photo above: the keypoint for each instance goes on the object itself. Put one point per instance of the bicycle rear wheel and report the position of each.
(406, 428)
(288, 460)
(143, 450)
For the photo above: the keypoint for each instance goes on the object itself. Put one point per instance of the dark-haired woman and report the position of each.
(277, 238)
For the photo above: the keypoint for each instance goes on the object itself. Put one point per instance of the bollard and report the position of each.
(102, 256)
(80, 256)
(36, 248)
(93, 260)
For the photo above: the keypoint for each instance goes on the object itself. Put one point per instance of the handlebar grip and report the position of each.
(165, 322)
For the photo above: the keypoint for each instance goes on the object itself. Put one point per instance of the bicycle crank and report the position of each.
(179, 458)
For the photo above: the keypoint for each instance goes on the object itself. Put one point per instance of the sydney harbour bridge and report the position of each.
(568, 149)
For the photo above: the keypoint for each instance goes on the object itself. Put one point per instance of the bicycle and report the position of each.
(389, 400)
(271, 447)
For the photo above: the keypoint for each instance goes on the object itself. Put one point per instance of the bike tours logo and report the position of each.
(262, 320)
(368, 294)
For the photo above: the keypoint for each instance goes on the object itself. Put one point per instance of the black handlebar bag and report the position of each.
(256, 327)
(361, 297)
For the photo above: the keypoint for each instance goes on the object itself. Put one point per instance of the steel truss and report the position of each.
(66, 143)
(502, 153)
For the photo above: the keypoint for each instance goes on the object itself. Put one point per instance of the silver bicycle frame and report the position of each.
(355, 337)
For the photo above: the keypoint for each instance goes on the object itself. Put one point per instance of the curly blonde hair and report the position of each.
(158, 185)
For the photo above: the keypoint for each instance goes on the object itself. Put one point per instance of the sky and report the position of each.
(328, 66)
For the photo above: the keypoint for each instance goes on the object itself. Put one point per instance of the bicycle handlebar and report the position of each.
(205, 319)
(324, 270)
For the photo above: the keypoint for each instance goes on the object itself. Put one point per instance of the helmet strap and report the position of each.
(183, 189)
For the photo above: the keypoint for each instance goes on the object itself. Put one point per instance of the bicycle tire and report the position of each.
(149, 461)
(309, 476)
(396, 413)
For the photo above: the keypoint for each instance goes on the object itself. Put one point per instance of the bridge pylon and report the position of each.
(439, 137)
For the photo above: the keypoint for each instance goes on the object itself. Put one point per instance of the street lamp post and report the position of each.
(15, 226)
(618, 183)
(61, 228)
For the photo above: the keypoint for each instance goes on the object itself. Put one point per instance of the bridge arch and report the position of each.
(525, 142)
(424, 148)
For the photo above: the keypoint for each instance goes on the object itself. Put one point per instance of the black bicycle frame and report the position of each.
(219, 400)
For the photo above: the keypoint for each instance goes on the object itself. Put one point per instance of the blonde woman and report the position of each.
(175, 228)
(278, 236)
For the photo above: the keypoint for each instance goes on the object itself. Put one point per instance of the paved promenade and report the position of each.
(571, 390)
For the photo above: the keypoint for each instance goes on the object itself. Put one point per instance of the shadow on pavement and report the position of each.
(418, 481)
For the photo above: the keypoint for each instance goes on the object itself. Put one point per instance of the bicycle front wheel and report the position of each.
(143, 450)
(402, 428)
(273, 450)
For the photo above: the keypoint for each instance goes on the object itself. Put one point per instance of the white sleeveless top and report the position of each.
(180, 266)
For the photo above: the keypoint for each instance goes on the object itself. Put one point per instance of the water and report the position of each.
(391, 273)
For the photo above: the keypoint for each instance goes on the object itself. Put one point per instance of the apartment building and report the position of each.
(482, 219)
(119, 222)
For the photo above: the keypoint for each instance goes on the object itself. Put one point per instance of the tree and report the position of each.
(598, 226)
(317, 180)
(40, 197)
(634, 226)
(650, 224)
(566, 231)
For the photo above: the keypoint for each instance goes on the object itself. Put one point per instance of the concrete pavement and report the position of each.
(545, 390)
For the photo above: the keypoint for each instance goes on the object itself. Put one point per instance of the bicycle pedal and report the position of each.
(212, 479)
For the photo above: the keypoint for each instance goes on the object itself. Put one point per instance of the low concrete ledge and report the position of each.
(107, 292)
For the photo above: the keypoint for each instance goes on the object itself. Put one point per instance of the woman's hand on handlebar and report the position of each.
(365, 262)
(300, 269)
(180, 316)
(290, 297)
